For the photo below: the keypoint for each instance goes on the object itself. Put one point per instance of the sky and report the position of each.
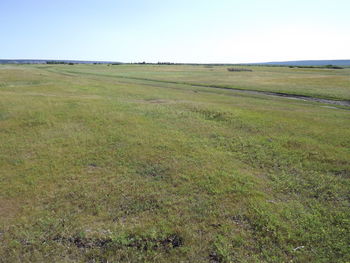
(182, 31)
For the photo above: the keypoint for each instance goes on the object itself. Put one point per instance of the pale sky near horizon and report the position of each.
(198, 31)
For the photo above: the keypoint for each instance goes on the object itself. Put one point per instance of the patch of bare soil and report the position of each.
(169, 242)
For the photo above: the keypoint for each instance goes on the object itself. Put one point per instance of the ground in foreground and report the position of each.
(101, 168)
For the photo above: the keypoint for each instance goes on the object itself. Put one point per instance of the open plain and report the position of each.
(165, 163)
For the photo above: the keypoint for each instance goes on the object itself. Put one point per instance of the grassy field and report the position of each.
(321, 83)
(121, 164)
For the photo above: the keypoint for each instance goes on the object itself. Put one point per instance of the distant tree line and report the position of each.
(239, 69)
(141, 63)
(59, 62)
(326, 66)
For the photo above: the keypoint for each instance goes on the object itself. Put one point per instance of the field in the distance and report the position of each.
(318, 82)
(121, 164)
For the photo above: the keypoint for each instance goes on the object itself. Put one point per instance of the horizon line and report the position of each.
(145, 62)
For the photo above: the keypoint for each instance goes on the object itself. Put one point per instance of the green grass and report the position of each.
(99, 165)
(321, 83)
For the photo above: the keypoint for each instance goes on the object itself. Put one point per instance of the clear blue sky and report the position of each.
(175, 30)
